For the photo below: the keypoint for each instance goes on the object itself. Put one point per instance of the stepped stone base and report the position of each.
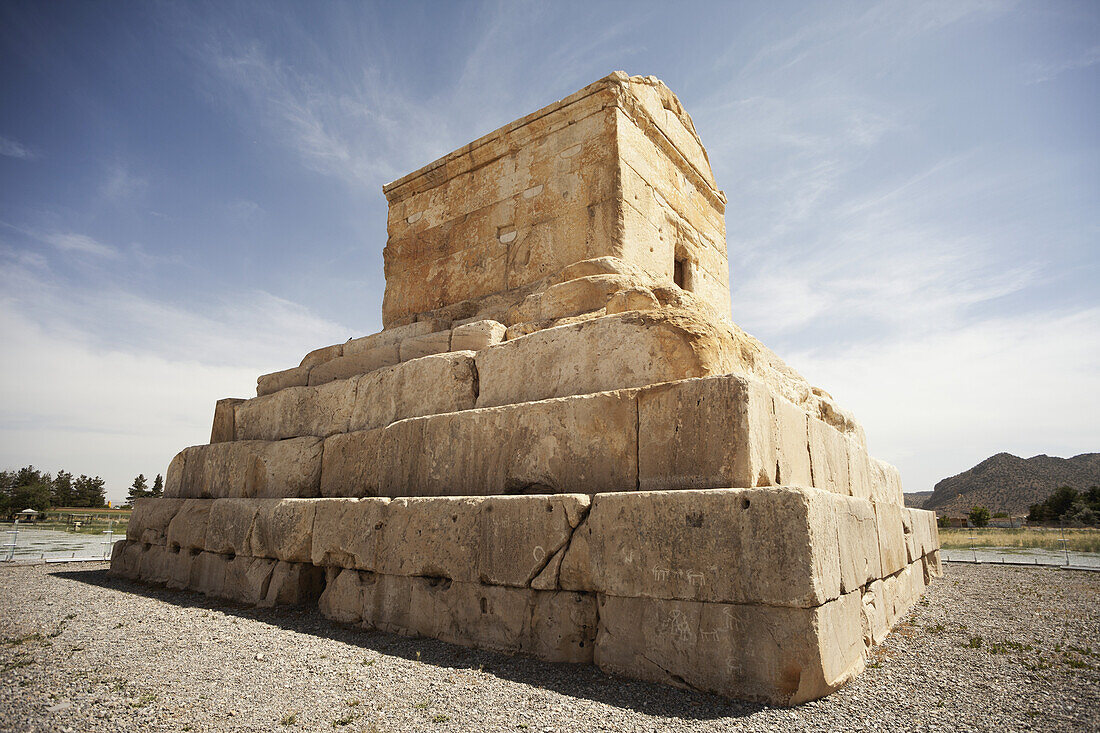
(532, 456)
(768, 593)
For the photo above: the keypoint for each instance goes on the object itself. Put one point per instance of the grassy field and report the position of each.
(96, 526)
(1077, 540)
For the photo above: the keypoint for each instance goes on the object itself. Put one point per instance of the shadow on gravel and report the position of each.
(576, 680)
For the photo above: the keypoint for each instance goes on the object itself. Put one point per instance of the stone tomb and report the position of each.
(560, 444)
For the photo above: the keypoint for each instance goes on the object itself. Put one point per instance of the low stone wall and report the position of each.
(766, 593)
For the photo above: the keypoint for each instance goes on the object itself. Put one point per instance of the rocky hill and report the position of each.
(1008, 483)
(916, 499)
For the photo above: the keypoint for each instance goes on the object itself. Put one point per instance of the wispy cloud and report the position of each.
(15, 149)
(121, 184)
(1039, 73)
(79, 244)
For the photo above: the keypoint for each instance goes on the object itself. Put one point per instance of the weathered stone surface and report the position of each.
(554, 625)
(150, 518)
(636, 298)
(298, 411)
(174, 476)
(252, 468)
(269, 383)
(392, 337)
(347, 532)
(320, 356)
(782, 656)
(860, 561)
(891, 537)
(585, 443)
(680, 447)
(125, 559)
(188, 526)
(229, 526)
(283, 529)
(828, 457)
(777, 546)
(352, 365)
(477, 335)
(886, 483)
(426, 386)
(430, 343)
(625, 350)
(223, 430)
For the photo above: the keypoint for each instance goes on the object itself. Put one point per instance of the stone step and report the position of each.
(707, 432)
(776, 546)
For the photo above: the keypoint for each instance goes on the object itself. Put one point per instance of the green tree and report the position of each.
(979, 516)
(1059, 503)
(138, 490)
(1037, 512)
(90, 492)
(158, 486)
(61, 490)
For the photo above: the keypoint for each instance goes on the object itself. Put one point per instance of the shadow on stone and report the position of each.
(580, 681)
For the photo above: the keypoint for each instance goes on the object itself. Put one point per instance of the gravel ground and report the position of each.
(988, 648)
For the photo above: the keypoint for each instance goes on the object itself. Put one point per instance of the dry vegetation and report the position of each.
(1077, 540)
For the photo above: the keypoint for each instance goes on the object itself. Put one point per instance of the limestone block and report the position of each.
(298, 411)
(180, 563)
(377, 462)
(294, 377)
(932, 566)
(253, 469)
(391, 337)
(320, 356)
(891, 537)
(283, 529)
(429, 343)
(886, 483)
(860, 473)
(782, 656)
(153, 565)
(632, 349)
(860, 561)
(828, 457)
(520, 536)
(223, 430)
(912, 543)
(229, 526)
(924, 527)
(435, 537)
(126, 559)
(777, 546)
(583, 444)
(294, 584)
(581, 295)
(477, 335)
(425, 386)
(188, 526)
(208, 571)
(149, 520)
(347, 532)
(246, 579)
(873, 613)
(637, 298)
(717, 432)
(342, 599)
(554, 625)
(354, 364)
(173, 477)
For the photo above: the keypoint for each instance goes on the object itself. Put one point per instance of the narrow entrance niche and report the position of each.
(683, 273)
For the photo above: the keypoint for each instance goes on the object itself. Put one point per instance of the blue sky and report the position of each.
(190, 195)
